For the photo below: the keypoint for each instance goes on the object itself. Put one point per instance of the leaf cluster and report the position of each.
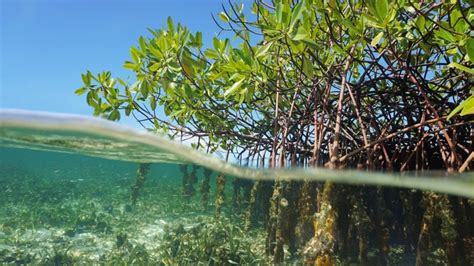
(279, 79)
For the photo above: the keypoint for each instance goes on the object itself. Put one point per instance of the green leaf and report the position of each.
(199, 39)
(223, 16)
(135, 55)
(122, 82)
(301, 34)
(90, 99)
(217, 43)
(461, 67)
(381, 8)
(144, 89)
(445, 35)
(296, 13)
(372, 21)
(376, 39)
(211, 54)
(153, 103)
(170, 25)
(348, 23)
(129, 65)
(452, 51)
(86, 78)
(310, 42)
(128, 110)
(142, 43)
(467, 107)
(470, 49)
(420, 23)
(177, 112)
(154, 67)
(279, 12)
(188, 91)
(187, 65)
(114, 115)
(285, 15)
(242, 95)
(262, 50)
(233, 88)
(244, 55)
(308, 67)
(80, 91)
(155, 51)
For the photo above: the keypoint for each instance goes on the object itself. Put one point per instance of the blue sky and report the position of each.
(47, 44)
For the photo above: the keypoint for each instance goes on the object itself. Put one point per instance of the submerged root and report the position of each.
(205, 188)
(143, 169)
(303, 230)
(220, 196)
(187, 183)
(320, 249)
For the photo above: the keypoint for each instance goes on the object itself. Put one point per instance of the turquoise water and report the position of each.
(67, 186)
(58, 206)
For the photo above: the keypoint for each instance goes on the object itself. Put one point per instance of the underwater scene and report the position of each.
(59, 208)
(77, 190)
